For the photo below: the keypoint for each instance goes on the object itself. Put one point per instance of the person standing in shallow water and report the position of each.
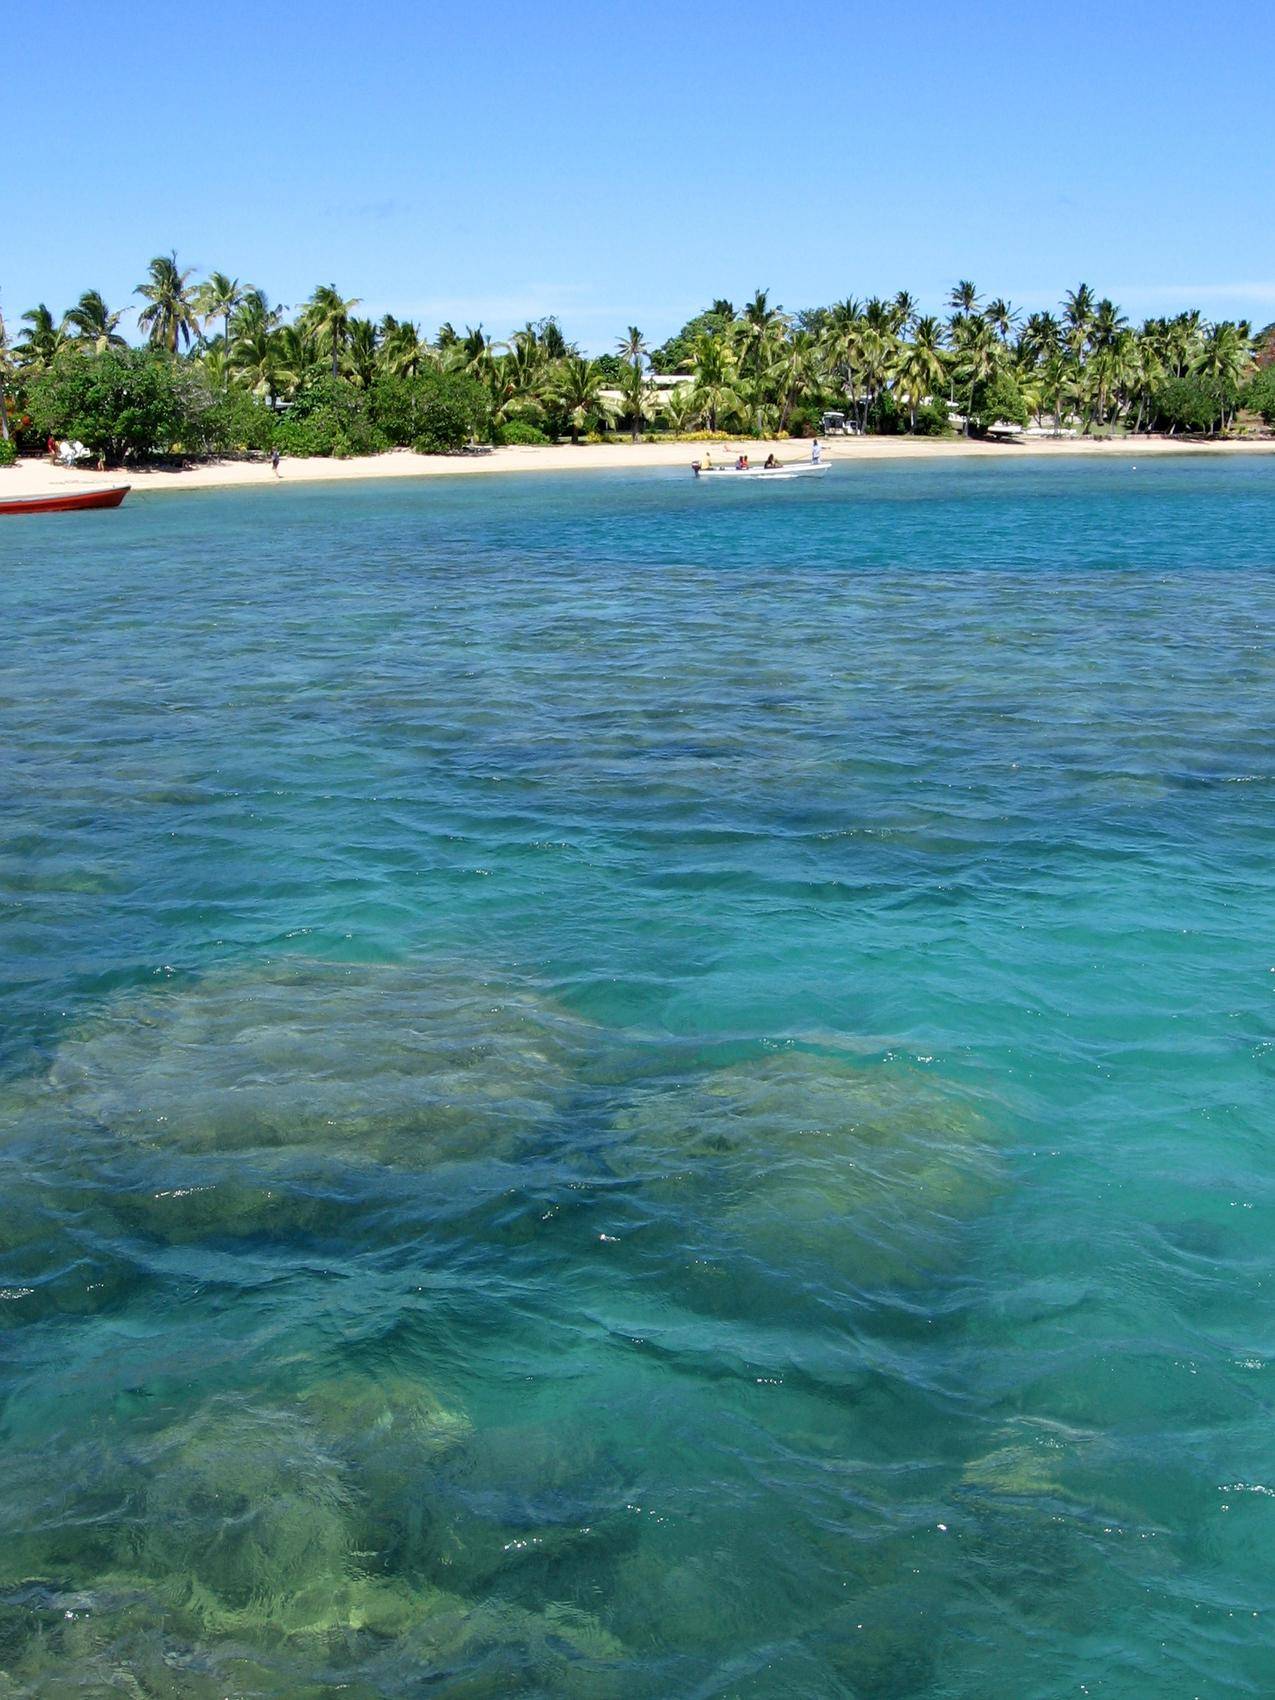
(274, 461)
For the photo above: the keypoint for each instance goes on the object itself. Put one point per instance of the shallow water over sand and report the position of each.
(610, 1088)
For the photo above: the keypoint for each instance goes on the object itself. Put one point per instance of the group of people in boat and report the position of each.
(769, 465)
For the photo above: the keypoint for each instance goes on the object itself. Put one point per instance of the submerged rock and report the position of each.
(243, 1509)
(815, 1163)
(387, 1064)
(391, 1433)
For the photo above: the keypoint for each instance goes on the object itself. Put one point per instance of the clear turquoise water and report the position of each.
(616, 1089)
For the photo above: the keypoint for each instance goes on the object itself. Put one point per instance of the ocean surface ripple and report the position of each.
(616, 1089)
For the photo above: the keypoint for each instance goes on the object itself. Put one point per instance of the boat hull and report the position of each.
(772, 474)
(66, 502)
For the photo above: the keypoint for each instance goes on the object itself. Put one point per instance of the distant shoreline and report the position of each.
(38, 477)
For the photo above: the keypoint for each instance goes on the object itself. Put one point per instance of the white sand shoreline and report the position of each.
(38, 477)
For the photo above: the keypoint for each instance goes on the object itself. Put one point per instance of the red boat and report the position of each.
(72, 499)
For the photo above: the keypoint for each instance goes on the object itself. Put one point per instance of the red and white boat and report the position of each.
(62, 502)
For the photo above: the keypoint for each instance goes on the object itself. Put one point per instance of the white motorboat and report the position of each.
(771, 474)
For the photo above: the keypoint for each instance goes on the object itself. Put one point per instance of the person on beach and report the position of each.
(815, 451)
(771, 462)
(274, 461)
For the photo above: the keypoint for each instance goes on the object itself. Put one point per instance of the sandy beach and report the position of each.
(38, 477)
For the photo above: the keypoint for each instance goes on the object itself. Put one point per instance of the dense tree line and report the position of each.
(223, 370)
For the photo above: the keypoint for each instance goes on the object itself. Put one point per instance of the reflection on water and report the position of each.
(610, 1096)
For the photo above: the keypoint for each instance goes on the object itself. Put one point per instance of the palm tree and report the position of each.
(761, 327)
(681, 408)
(1001, 316)
(1224, 358)
(841, 346)
(217, 298)
(922, 373)
(1041, 336)
(716, 388)
(361, 351)
(260, 360)
(633, 351)
(904, 306)
(980, 356)
(1078, 311)
(402, 350)
(92, 321)
(964, 298)
(579, 388)
(793, 371)
(41, 342)
(254, 313)
(1054, 384)
(170, 317)
(327, 315)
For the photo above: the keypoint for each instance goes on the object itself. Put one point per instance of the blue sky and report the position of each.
(625, 164)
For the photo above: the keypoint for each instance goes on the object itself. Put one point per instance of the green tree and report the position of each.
(361, 353)
(1224, 360)
(922, 374)
(123, 403)
(964, 298)
(580, 389)
(433, 411)
(1259, 393)
(633, 351)
(218, 297)
(327, 316)
(716, 389)
(994, 398)
(1190, 404)
(42, 340)
(169, 317)
(258, 360)
(94, 324)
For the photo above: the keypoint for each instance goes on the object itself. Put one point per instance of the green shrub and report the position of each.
(1259, 395)
(455, 412)
(518, 432)
(324, 432)
(885, 419)
(1191, 404)
(124, 402)
(8, 451)
(329, 416)
(441, 409)
(236, 422)
(932, 420)
(994, 399)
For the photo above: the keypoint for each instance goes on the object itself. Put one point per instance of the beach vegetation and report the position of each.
(1193, 404)
(325, 380)
(43, 339)
(433, 411)
(8, 451)
(93, 325)
(122, 403)
(169, 317)
(520, 432)
(1259, 394)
